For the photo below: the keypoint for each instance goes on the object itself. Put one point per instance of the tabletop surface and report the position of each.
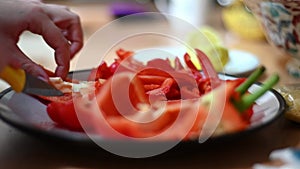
(22, 150)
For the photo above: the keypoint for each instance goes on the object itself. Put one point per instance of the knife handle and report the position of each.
(15, 77)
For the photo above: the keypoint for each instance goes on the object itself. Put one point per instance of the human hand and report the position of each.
(60, 28)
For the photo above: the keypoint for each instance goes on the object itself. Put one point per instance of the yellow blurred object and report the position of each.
(240, 21)
(15, 77)
(219, 57)
(208, 40)
(291, 95)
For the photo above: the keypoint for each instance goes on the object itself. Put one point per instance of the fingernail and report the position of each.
(43, 78)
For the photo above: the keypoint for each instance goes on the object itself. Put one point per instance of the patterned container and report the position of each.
(280, 20)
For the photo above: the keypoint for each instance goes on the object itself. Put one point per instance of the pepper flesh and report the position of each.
(183, 90)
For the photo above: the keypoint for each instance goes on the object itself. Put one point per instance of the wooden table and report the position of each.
(19, 150)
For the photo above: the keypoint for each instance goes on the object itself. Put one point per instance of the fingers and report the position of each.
(69, 23)
(62, 31)
(43, 25)
(60, 28)
(35, 70)
(76, 39)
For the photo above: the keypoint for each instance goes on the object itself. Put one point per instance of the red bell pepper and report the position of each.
(130, 103)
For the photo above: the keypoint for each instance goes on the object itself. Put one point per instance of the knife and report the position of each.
(21, 81)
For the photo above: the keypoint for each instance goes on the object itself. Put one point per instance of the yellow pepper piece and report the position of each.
(15, 77)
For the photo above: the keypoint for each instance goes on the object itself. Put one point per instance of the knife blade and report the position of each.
(21, 81)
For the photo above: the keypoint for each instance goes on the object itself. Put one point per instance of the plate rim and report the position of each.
(84, 139)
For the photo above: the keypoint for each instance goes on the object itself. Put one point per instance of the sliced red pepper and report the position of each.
(123, 54)
(207, 66)
(154, 72)
(158, 125)
(152, 79)
(102, 72)
(163, 89)
(189, 62)
(64, 114)
(176, 83)
(112, 90)
(230, 117)
(149, 87)
(160, 64)
(178, 65)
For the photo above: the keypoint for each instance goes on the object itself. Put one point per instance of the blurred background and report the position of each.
(229, 18)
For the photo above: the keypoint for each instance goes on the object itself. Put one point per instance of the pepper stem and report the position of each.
(250, 80)
(248, 99)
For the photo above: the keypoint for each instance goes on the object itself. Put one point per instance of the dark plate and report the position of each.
(28, 114)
